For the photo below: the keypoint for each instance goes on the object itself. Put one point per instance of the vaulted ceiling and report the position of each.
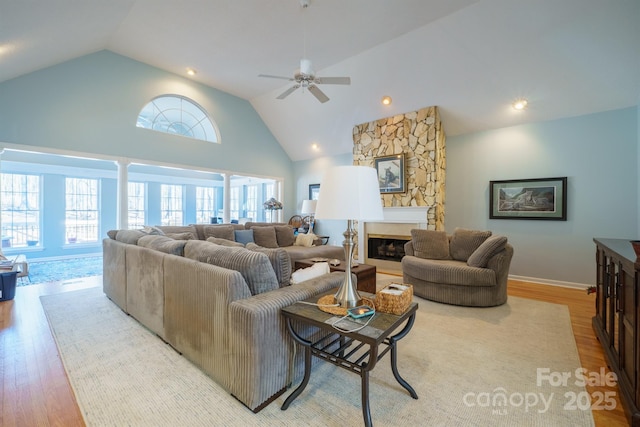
(472, 58)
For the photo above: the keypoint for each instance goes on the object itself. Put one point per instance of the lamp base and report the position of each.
(347, 295)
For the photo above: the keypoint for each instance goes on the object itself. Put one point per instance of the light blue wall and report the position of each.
(599, 155)
(310, 172)
(90, 104)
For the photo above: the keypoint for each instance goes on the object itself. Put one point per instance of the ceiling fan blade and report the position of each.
(315, 91)
(333, 80)
(275, 77)
(288, 92)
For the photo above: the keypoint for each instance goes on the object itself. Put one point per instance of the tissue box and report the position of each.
(394, 298)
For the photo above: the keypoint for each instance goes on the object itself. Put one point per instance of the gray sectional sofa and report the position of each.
(468, 267)
(218, 305)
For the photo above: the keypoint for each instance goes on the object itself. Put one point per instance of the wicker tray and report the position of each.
(342, 311)
(392, 303)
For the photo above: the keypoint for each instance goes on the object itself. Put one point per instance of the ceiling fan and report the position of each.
(305, 78)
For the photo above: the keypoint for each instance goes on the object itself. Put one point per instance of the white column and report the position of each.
(122, 219)
(226, 204)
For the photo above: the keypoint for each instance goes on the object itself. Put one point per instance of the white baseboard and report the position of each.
(550, 282)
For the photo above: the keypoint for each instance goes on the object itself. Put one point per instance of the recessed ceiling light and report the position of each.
(314, 146)
(386, 100)
(520, 104)
(191, 72)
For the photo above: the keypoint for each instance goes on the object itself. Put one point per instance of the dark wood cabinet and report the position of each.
(616, 319)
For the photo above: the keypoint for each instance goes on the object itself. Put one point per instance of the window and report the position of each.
(20, 209)
(81, 210)
(171, 204)
(136, 205)
(252, 202)
(234, 202)
(205, 204)
(178, 115)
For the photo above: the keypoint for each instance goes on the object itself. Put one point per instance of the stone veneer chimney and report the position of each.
(420, 137)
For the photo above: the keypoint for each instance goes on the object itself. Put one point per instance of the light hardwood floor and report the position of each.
(36, 392)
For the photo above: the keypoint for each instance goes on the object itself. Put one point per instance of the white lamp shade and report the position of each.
(309, 206)
(350, 192)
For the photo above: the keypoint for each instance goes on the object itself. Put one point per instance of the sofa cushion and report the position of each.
(221, 231)
(284, 235)
(163, 244)
(279, 259)
(244, 236)
(129, 236)
(265, 236)
(224, 242)
(305, 240)
(464, 242)
(254, 267)
(180, 236)
(430, 244)
(481, 256)
(150, 229)
(177, 229)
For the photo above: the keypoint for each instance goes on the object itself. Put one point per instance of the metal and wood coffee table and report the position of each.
(354, 351)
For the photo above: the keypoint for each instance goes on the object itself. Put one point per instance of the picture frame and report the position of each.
(391, 173)
(314, 191)
(536, 198)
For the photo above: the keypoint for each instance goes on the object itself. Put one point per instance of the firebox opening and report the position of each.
(390, 248)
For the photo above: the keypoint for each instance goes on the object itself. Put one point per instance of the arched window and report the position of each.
(178, 115)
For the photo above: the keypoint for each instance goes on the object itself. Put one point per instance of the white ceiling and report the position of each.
(469, 57)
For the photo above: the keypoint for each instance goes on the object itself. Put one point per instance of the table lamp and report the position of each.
(349, 193)
(309, 208)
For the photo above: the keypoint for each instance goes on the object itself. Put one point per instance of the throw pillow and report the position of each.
(464, 242)
(244, 236)
(280, 261)
(254, 267)
(481, 256)
(224, 242)
(175, 229)
(316, 270)
(430, 244)
(149, 229)
(112, 234)
(129, 236)
(284, 235)
(265, 236)
(163, 244)
(220, 231)
(305, 240)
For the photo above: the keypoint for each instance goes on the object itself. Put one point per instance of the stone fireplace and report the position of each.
(420, 137)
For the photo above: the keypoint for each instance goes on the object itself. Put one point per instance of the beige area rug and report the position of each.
(471, 367)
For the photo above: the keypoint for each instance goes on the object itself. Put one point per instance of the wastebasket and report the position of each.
(8, 285)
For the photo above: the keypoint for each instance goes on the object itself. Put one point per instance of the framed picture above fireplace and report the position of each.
(391, 177)
(539, 198)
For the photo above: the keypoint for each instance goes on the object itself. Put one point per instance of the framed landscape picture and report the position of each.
(539, 198)
(391, 177)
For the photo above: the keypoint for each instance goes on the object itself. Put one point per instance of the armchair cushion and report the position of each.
(481, 256)
(464, 242)
(430, 244)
